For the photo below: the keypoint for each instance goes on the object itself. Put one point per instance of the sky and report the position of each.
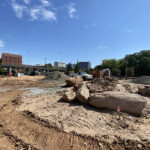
(74, 30)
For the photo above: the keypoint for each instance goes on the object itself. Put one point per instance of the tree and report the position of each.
(1, 69)
(137, 64)
(77, 68)
(116, 71)
(122, 66)
(130, 71)
(98, 67)
(48, 65)
(112, 64)
(140, 62)
(109, 63)
(69, 67)
(144, 66)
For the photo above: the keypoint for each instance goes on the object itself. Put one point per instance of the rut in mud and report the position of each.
(28, 132)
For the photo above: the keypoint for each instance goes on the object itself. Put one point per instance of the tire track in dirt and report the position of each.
(18, 143)
(27, 131)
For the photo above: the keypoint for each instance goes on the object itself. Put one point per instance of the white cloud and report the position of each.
(40, 10)
(34, 13)
(45, 2)
(40, 13)
(71, 10)
(131, 30)
(27, 1)
(102, 47)
(1, 44)
(18, 9)
(48, 15)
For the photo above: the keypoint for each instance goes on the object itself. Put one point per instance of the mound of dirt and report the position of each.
(100, 85)
(56, 76)
(142, 80)
(127, 87)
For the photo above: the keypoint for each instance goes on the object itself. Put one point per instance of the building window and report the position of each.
(14, 60)
(18, 61)
(6, 60)
(10, 60)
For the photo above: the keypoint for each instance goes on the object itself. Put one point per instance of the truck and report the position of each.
(84, 75)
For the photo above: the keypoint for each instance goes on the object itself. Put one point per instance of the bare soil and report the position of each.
(13, 83)
(45, 122)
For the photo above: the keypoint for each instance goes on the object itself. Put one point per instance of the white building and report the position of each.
(59, 64)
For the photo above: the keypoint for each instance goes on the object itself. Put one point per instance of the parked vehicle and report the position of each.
(84, 75)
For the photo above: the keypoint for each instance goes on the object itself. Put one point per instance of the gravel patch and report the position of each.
(45, 91)
(142, 80)
(4, 90)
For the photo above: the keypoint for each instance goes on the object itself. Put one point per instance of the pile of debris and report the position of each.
(103, 95)
(144, 90)
(142, 80)
(74, 81)
(100, 85)
(56, 76)
(79, 90)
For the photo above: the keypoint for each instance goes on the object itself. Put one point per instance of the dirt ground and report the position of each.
(23, 82)
(41, 120)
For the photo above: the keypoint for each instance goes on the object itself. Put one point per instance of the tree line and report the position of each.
(75, 69)
(137, 64)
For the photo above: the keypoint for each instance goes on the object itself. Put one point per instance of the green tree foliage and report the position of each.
(1, 69)
(140, 62)
(137, 64)
(69, 67)
(48, 65)
(144, 66)
(98, 67)
(77, 68)
(112, 64)
(130, 71)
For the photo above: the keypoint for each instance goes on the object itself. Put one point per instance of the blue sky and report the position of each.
(67, 30)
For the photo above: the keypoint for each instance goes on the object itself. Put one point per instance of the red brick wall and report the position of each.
(11, 59)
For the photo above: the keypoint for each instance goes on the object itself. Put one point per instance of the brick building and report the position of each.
(11, 59)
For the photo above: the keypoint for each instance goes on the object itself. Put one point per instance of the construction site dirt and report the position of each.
(34, 116)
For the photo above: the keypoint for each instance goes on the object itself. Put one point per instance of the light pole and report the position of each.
(45, 60)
